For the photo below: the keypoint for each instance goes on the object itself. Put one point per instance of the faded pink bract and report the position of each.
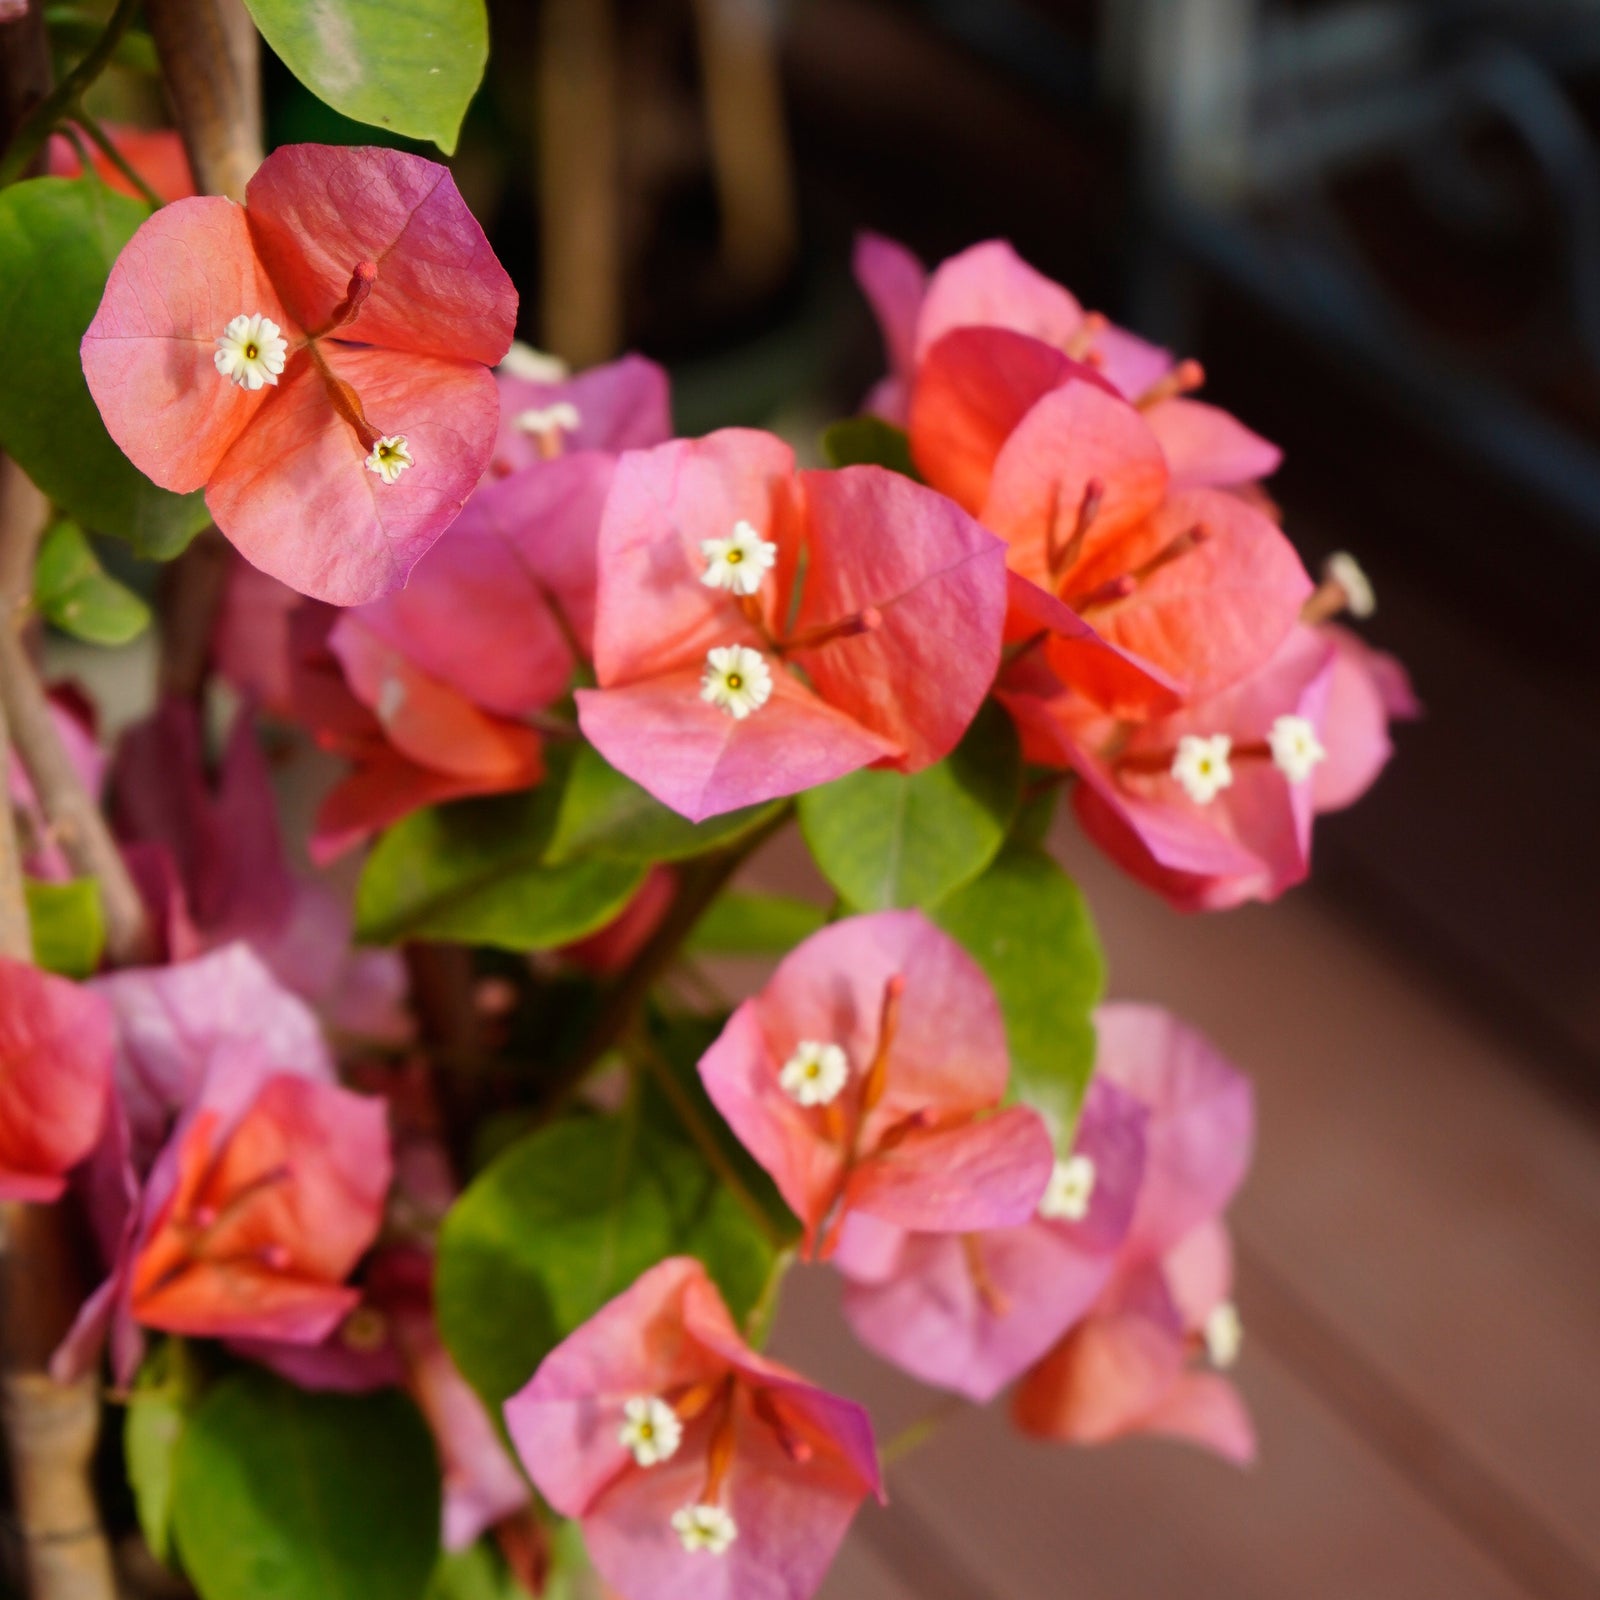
(914, 1136)
(284, 465)
(788, 1462)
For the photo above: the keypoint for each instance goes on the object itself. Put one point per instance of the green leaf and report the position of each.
(561, 1224)
(163, 1395)
(603, 813)
(887, 839)
(73, 591)
(280, 1494)
(69, 927)
(58, 239)
(1033, 820)
(869, 441)
(754, 925)
(1027, 925)
(476, 1573)
(412, 66)
(475, 871)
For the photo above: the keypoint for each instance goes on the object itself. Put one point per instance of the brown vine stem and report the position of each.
(70, 810)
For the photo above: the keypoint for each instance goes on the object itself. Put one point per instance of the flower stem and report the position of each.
(916, 1434)
(58, 105)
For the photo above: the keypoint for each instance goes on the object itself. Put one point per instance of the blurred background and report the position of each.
(1378, 226)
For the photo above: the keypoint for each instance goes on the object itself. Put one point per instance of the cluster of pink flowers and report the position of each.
(451, 567)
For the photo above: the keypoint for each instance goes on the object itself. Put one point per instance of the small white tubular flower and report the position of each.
(707, 1528)
(815, 1073)
(1071, 1188)
(562, 417)
(251, 351)
(390, 457)
(533, 366)
(1343, 569)
(739, 562)
(650, 1430)
(1201, 766)
(1223, 1334)
(736, 680)
(1296, 749)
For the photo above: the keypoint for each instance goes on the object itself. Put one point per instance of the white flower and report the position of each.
(251, 351)
(390, 457)
(1224, 1333)
(707, 1528)
(739, 562)
(534, 366)
(1201, 766)
(562, 417)
(736, 680)
(815, 1073)
(1071, 1187)
(1343, 569)
(650, 1430)
(1296, 749)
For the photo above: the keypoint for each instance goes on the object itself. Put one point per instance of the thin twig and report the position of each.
(57, 106)
(70, 810)
(916, 1434)
(109, 150)
(645, 1055)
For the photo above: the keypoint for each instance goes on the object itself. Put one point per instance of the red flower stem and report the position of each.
(70, 811)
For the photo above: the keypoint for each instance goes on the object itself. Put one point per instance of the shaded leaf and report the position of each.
(475, 871)
(886, 839)
(412, 66)
(1028, 926)
(58, 240)
(158, 1408)
(603, 813)
(280, 1494)
(75, 593)
(868, 441)
(561, 1224)
(69, 928)
(754, 925)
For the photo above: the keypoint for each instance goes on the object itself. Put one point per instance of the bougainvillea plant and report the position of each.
(405, 1191)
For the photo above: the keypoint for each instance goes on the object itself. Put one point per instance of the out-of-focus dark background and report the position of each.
(1378, 226)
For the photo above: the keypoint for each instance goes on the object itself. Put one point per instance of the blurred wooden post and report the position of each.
(211, 61)
(580, 198)
(749, 142)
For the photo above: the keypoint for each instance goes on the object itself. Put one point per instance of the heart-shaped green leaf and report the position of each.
(73, 591)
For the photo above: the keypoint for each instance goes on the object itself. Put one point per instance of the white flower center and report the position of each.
(1223, 1334)
(1296, 749)
(534, 366)
(1343, 569)
(251, 351)
(736, 680)
(739, 562)
(390, 457)
(815, 1073)
(650, 1430)
(1071, 1187)
(562, 417)
(1201, 766)
(707, 1528)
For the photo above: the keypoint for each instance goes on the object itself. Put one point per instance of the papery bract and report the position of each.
(971, 1311)
(391, 308)
(229, 875)
(887, 597)
(55, 1075)
(990, 286)
(1192, 584)
(775, 1466)
(623, 405)
(912, 1132)
(1128, 1367)
(1369, 690)
(1250, 840)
